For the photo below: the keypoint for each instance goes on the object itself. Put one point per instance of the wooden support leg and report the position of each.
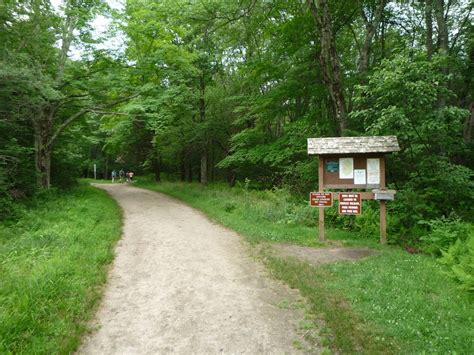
(321, 189)
(383, 223)
(321, 224)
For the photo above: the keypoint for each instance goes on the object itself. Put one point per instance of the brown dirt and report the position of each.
(323, 255)
(182, 284)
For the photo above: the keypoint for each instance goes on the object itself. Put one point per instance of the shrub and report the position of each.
(459, 258)
(443, 233)
(368, 223)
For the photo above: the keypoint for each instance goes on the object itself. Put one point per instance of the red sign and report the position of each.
(320, 199)
(350, 203)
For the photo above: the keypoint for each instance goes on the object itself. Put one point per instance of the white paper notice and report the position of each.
(346, 168)
(359, 177)
(373, 171)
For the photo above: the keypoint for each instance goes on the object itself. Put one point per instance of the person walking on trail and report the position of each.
(114, 175)
(130, 175)
(121, 175)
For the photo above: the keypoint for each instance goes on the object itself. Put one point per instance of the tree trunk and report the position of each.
(382, 38)
(42, 126)
(443, 44)
(329, 60)
(204, 167)
(429, 27)
(157, 168)
(442, 26)
(231, 178)
(211, 165)
(189, 169)
(106, 168)
(182, 167)
(466, 99)
(468, 125)
(43, 162)
(202, 116)
(371, 26)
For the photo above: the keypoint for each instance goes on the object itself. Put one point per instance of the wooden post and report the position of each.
(383, 223)
(383, 210)
(321, 189)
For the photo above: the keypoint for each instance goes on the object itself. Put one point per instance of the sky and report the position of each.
(100, 25)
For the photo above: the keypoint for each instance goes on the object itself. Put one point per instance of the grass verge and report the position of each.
(394, 302)
(52, 265)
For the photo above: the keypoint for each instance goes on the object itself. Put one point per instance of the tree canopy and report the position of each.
(229, 90)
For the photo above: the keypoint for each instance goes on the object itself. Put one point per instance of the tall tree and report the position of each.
(429, 27)
(372, 15)
(329, 60)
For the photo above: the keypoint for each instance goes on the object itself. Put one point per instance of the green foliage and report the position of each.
(21, 92)
(453, 240)
(275, 161)
(404, 96)
(459, 258)
(368, 223)
(65, 171)
(53, 262)
(444, 232)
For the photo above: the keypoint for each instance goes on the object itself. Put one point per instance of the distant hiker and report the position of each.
(127, 176)
(121, 174)
(114, 175)
(130, 175)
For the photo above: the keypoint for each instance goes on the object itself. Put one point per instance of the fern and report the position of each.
(459, 258)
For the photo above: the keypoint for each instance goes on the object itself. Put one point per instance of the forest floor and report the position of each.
(181, 283)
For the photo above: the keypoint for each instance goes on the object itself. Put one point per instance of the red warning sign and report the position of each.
(320, 199)
(350, 203)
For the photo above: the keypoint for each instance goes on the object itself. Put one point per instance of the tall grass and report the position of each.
(52, 265)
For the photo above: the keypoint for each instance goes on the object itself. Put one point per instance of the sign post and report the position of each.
(352, 163)
(383, 209)
(321, 189)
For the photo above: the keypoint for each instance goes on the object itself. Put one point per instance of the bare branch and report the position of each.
(355, 39)
(99, 112)
(464, 22)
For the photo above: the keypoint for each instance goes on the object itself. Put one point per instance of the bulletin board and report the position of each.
(360, 171)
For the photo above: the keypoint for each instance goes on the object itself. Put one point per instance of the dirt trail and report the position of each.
(181, 284)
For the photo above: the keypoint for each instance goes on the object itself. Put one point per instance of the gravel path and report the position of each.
(182, 284)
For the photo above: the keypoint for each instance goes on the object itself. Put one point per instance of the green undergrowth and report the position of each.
(52, 265)
(394, 302)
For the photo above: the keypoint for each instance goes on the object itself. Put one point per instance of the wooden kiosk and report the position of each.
(347, 163)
